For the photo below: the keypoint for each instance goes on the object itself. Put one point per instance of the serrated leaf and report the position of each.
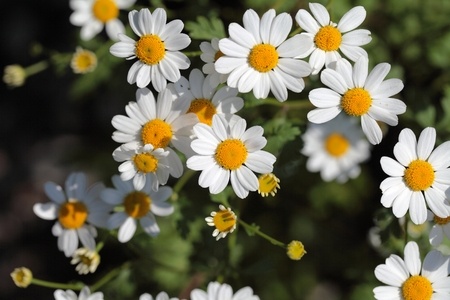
(206, 29)
(278, 132)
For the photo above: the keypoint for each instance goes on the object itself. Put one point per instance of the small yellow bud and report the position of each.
(14, 75)
(295, 250)
(22, 277)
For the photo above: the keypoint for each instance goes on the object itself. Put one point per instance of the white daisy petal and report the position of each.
(371, 129)
(352, 19)
(417, 208)
(425, 143)
(440, 157)
(322, 115)
(320, 13)
(127, 230)
(412, 258)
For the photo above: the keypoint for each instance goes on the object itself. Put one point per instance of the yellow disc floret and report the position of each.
(263, 57)
(295, 250)
(72, 214)
(419, 175)
(336, 144)
(83, 61)
(150, 49)
(157, 133)
(417, 288)
(231, 154)
(145, 163)
(105, 10)
(268, 184)
(137, 204)
(356, 102)
(204, 109)
(328, 38)
(224, 220)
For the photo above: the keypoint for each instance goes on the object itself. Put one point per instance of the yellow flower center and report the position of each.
(224, 220)
(231, 154)
(295, 250)
(157, 133)
(218, 55)
(328, 38)
(268, 184)
(145, 162)
(83, 61)
(356, 102)
(336, 144)
(105, 10)
(72, 214)
(441, 221)
(419, 175)
(417, 288)
(137, 204)
(204, 109)
(150, 49)
(263, 57)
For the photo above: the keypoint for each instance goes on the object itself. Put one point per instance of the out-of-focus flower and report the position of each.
(223, 291)
(83, 61)
(85, 294)
(211, 53)
(14, 75)
(22, 277)
(86, 260)
(223, 220)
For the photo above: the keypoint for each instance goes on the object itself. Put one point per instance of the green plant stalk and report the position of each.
(261, 234)
(56, 285)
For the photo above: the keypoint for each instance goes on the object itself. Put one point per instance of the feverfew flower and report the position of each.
(160, 296)
(14, 75)
(83, 61)
(329, 37)
(295, 250)
(157, 50)
(22, 277)
(77, 210)
(408, 279)
(268, 184)
(259, 56)
(419, 176)
(218, 291)
(85, 294)
(224, 220)
(206, 99)
(441, 228)
(93, 15)
(227, 152)
(358, 94)
(86, 260)
(335, 149)
(138, 205)
(211, 53)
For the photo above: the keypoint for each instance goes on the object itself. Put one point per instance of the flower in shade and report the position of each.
(205, 99)
(357, 93)
(223, 291)
(93, 15)
(22, 277)
(138, 205)
(409, 279)
(223, 220)
(268, 184)
(87, 260)
(83, 61)
(439, 230)
(419, 177)
(211, 53)
(328, 37)
(259, 56)
(335, 149)
(157, 50)
(229, 152)
(160, 296)
(85, 294)
(14, 75)
(295, 250)
(77, 209)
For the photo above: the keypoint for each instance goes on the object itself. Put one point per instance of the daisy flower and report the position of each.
(328, 37)
(85, 294)
(335, 149)
(93, 15)
(77, 210)
(268, 184)
(216, 291)
(145, 161)
(408, 279)
(441, 228)
(358, 94)
(86, 260)
(258, 56)
(83, 61)
(157, 50)
(138, 205)
(227, 152)
(22, 277)
(205, 99)
(211, 53)
(160, 296)
(224, 220)
(162, 124)
(419, 176)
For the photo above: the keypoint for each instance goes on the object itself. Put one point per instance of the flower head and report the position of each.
(335, 149)
(440, 228)
(295, 250)
(259, 56)
(157, 50)
(138, 205)
(268, 184)
(93, 15)
(408, 279)
(83, 61)
(216, 291)
(328, 37)
(223, 220)
(87, 260)
(419, 177)
(77, 209)
(22, 277)
(228, 151)
(85, 294)
(211, 53)
(14, 75)
(358, 93)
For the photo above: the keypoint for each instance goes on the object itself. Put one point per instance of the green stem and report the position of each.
(99, 246)
(255, 230)
(108, 277)
(183, 180)
(36, 68)
(193, 53)
(55, 285)
(298, 104)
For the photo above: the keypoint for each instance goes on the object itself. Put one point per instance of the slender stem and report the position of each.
(99, 246)
(109, 276)
(298, 104)
(56, 285)
(36, 68)
(183, 180)
(261, 234)
(193, 53)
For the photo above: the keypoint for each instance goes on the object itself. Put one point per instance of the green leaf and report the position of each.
(279, 131)
(206, 29)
